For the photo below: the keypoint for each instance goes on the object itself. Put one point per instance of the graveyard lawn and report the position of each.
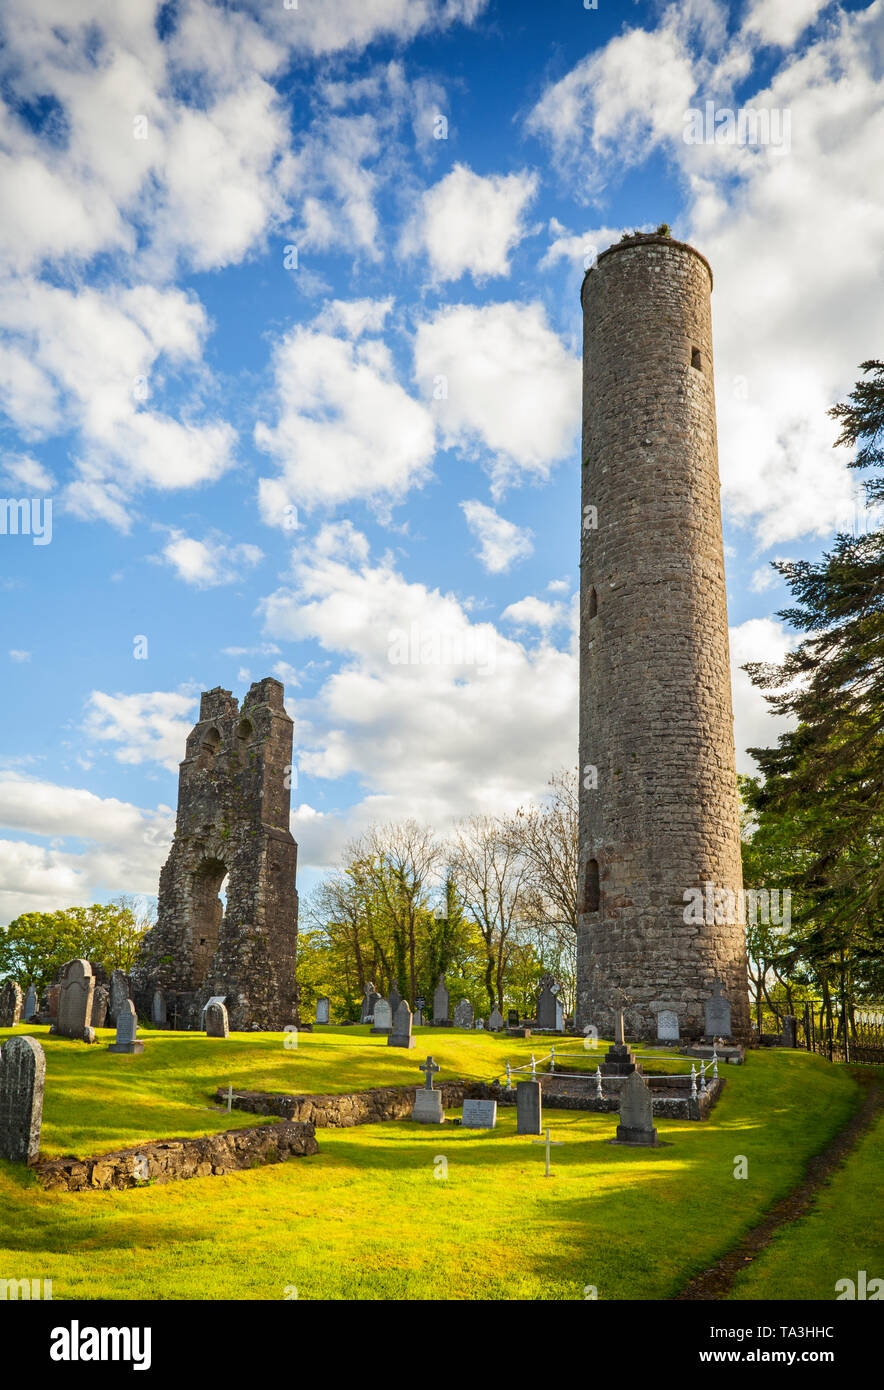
(842, 1234)
(398, 1210)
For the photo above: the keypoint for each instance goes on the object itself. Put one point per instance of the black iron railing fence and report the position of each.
(822, 1030)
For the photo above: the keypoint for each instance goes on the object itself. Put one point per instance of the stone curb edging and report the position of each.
(170, 1160)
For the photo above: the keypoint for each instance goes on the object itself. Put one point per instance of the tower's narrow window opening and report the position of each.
(592, 892)
(593, 606)
(210, 745)
(696, 359)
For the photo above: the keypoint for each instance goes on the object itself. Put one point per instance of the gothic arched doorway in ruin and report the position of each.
(206, 914)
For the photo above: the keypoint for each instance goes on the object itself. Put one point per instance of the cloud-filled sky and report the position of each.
(289, 336)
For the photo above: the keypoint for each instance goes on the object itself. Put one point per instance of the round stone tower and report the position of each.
(660, 878)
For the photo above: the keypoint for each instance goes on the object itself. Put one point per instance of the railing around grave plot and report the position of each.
(535, 1068)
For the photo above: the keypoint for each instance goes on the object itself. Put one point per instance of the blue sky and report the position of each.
(289, 334)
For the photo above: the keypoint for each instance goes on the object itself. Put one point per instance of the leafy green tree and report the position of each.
(36, 944)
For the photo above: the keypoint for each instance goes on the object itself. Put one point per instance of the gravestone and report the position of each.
(718, 1014)
(394, 999)
(636, 1113)
(479, 1114)
(427, 1108)
(322, 1009)
(546, 1004)
(22, 1077)
(529, 1107)
(495, 1021)
(217, 1025)
(619, 1060)
(667, 1026)
(100, 999)
(118, 993)
(479, 1024)
(383, 1018)
(158, 1008)
(29, 1008)
(512, 1018)
(75, 1001)
(463, 1014)
(369, 1002)
(560, 1017)
(441, 1002)
(10, 1004)
(789, 1032)
(127, 1030)
(400, 1035)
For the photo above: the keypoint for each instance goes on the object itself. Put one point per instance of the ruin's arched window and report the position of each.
(209, 747)
(696, 359)
(592, 892)
(207, 903)
(593, 604)
(244, 731)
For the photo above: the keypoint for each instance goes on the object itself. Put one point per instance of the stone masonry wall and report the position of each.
(656, 719)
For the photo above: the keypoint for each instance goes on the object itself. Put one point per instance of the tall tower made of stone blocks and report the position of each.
(232, 827)
(659, 811)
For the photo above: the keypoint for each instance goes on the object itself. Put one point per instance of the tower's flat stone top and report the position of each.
(648, 239)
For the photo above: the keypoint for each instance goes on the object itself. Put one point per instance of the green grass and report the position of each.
(842, 1233)
(368, 1218)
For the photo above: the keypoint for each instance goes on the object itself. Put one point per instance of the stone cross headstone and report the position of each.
(158, 1008)
(100, 998)
(22, 1078)
(667, 1026)
(322, 1009)
(495, 1020)
(529, 1107)
(463, 1014)
(119, 993)
(29, 1008)
(619, 1030)
(369, 1002)
(636, 1113)
(546, 1003)
(127, 1030)
(74, 1018)
(718, 1014)
(400, 1035)
(549, 1143)
(479, 1114)
(441, 1001)
(217, 1025)
(427, 1109)
(10, 1004)
(383, 1018)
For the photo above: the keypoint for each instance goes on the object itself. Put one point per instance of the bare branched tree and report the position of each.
(491, 876)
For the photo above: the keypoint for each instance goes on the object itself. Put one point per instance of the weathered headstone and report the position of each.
(394, 999)
(75, 1001)
(427, 1101)
(29, 1008)
(636, 1113)
(479, 1114)
(118, 993)
(400, 1035)
(529, 1108)
(383, 1019)
(322, 1009)
(158, 1008)
(512, 1018)
(369, 1002)
(127, 1030)
(495, 1020)
(463, 1014)
(667, 1026)
(441, 1001)
(10, 1003)
(22, 1077)
(718, 1014)
(100, 997)
(789, 1031)
(546, 1003)
(560, 1016)
(217, 1025)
